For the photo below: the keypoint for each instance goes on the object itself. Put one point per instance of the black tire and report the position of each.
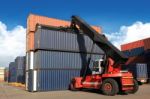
(71, 86)
(135, 87)
(110, 87)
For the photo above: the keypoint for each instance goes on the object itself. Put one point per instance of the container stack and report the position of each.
(139, 70)
(138, 53)
(56, 56)
(2, 72)
(12, 72)
(20, 65)
(6, 73)
(17, 70)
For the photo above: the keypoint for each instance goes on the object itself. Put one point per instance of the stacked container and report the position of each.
(20, 65)
(6, 73)
(12, 72)
(17, 70)
(139, 71)
(2, 73)
(56, 56)
(138, 52)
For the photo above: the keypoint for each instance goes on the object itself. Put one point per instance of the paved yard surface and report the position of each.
(10, 92)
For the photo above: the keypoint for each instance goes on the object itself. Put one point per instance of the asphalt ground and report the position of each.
(11, 92)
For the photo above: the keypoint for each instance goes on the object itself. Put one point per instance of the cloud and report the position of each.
(12, 43)
(126, 34)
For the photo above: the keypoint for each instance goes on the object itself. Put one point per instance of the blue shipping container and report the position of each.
(63, 41)
(12, 72)
(134, 52)
(59, 60)
(139, 70)
(50, 80)
(20, 62)
(20, 76)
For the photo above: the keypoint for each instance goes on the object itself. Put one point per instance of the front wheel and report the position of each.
(110, 87)
(135, 87)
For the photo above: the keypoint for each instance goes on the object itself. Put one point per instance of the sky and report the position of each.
(122, 21)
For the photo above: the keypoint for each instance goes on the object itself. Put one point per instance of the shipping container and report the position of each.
(20, 69)
(20, 62)
(33, 20)
(147, 44)
(139, 70)
(12, 72)
(20, 76)
(48, 39)
(136, 44)
(134, 52)
(132, 45)
(2, 73)
(50, 80)
(6, 74)
(17, 70)
(59, 60)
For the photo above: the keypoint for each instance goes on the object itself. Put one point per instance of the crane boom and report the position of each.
(99, 39)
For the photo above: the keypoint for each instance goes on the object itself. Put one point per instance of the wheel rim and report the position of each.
(108, 87)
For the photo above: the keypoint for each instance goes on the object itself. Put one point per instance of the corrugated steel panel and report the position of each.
(134, 52)
(12, 72)
(132, 45)
(34, 19)
(29, 81)
(64, 41)
(139, 70)
(140, 43)
(20, 76)
(142, 70)
(20, 62)
(30, 41)
(64, 60)
(147, 44)
(50, 80)
(6, 74)
(17, 70)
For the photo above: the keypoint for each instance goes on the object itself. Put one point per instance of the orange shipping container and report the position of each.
(132, 45)
(140, 43)
(36, 19)
(147, 44)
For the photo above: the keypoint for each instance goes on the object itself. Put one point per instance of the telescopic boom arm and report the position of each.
(99, 39)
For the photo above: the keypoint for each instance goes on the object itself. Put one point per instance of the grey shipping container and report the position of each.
(134, 52)
(20, 71)
(59, 60)
(64, 41)
(139, 70)
(50, 80)
(20, 62)
(20, 76)
(12, 72)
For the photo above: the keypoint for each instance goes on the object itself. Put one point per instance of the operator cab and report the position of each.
(97, 67)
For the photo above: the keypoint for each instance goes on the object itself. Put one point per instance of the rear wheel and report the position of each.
(110, 87)
(135, 87)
